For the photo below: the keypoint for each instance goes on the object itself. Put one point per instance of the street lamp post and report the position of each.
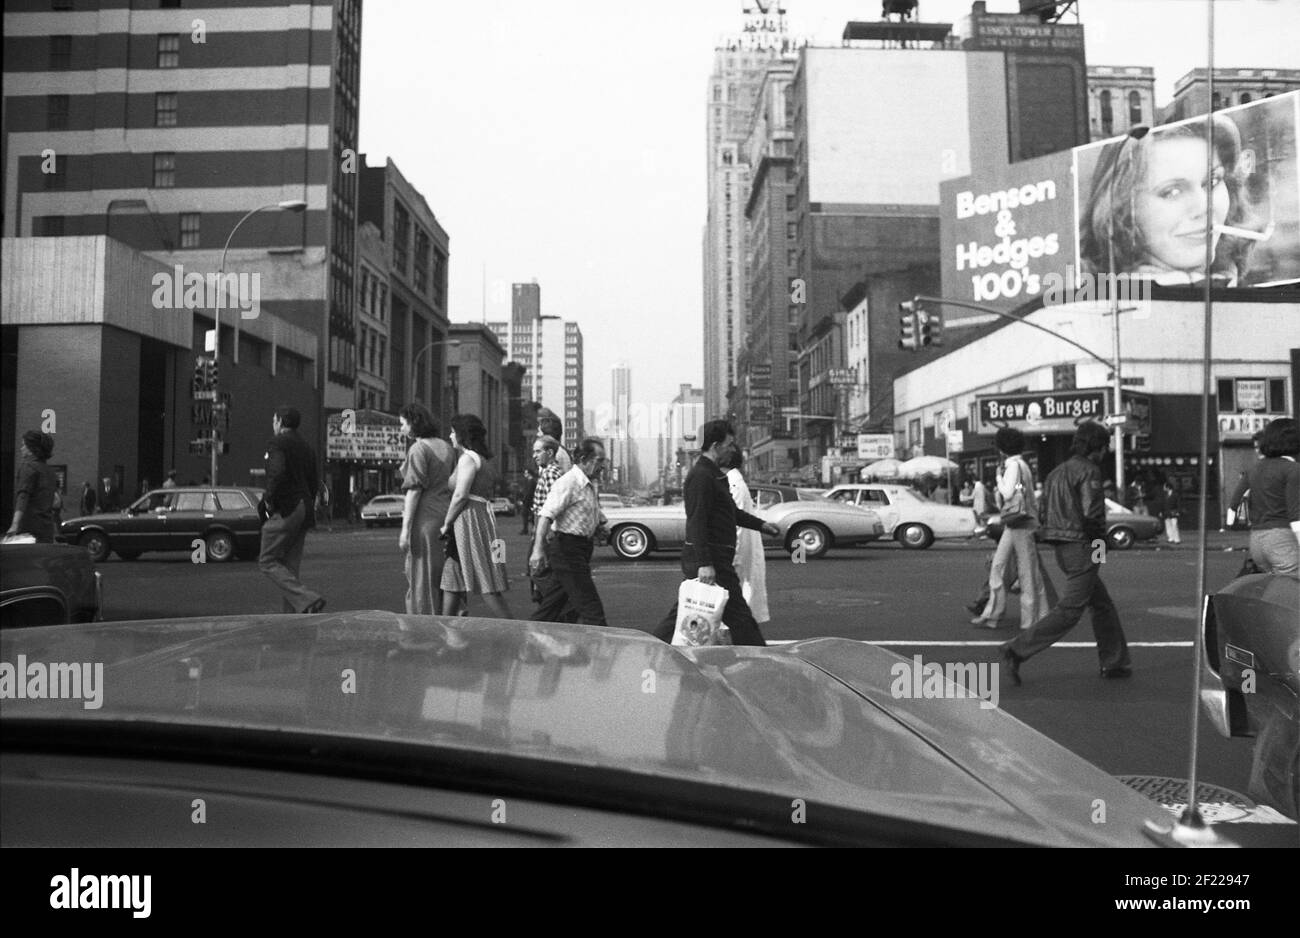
(291, 205)
(1134, 133)
(415, 362)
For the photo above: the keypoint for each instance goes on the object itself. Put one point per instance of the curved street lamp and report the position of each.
(291, 205)
(415, 366)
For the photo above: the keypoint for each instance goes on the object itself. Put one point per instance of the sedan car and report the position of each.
(506, 733)
(224, 518)
(801, 517)
(48, 584)
(1123, 527)
(383, 509)
(503, 506)
(1250, 679)
(909, 519)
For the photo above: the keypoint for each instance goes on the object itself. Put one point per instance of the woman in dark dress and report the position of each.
(36, 489)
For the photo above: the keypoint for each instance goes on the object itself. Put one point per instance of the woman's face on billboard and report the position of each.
(1170, 207)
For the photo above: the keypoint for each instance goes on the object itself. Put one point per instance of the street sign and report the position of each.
(1133, 382)
(1115, 420)
(876, 445)
(205, 395)
(956, 440)
(841, 377)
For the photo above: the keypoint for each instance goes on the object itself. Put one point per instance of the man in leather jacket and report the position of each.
(1074, 512)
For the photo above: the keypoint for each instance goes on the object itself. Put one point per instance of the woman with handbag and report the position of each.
(1018, 504)
(469, 529)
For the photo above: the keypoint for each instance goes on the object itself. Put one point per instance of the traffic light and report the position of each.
(907, 322)
(212, 374)
(200, 380)
(930, 331)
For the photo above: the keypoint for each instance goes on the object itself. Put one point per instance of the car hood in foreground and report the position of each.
(814, 720)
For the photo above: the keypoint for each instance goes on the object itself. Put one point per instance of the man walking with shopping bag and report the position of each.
(710, 550)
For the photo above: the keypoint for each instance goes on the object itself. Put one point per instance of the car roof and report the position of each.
(811, 720)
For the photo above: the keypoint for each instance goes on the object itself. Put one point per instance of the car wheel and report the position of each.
(96, 545)
(814, 537)
(631, 542)
(915, 536)
(221, 546)
(1120, 538)
(129, 554)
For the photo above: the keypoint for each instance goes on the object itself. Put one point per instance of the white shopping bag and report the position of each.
(699, 615)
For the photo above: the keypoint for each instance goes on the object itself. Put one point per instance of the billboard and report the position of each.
(1141, 203)
(1003, 234)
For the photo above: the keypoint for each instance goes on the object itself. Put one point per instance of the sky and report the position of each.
(565, 142)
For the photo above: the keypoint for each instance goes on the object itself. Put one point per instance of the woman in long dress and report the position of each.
(424, 479)
(471, 523)
(751, 564)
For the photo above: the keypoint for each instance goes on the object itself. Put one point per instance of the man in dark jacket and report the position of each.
(291, 486)
(1075, 522)
(711, 520)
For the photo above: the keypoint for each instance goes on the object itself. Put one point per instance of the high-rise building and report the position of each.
(767, 362)
(679, 439)
(738, 72)
(622, 453)
(161, 130)
(476, 384)
(418, 255)
(140, 143)
(550, 350)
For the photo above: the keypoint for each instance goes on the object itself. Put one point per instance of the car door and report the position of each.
(878, 500)
(144, 525)
(190, 515)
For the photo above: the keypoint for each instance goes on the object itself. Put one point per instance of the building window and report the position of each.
(401, 233)
(169, 50)
(60, 53)
(1134, 108)
(190, 229)
(1107, 115)
(164, 170)
(59, 178)
(56, 111)
(383, 354)
(164, 109)
(791, 230)
(421, 272)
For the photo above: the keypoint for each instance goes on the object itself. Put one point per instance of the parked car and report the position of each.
(383, 509)
(909, 519)
(800, 516)
(610, 500)
(225, 518)
(503, 506)
(246, 710)
(48, 584)
(1123, 527)
(1250, 679)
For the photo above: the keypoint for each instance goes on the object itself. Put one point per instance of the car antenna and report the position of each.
(1191, 829)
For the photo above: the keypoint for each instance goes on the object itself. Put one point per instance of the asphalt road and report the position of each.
(909, 601)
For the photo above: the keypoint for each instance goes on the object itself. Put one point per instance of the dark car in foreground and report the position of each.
(1123, 527)
(456, 731)
(1250, 679)
(48, 584)
(224, 518)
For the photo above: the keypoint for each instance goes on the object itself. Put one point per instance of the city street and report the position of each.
(909, 601)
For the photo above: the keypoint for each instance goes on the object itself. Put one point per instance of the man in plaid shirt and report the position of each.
(546, 588)
(572, 511)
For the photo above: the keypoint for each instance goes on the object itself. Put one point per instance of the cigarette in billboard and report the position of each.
(1246, 232)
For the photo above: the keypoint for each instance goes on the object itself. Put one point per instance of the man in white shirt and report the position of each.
(572, 509)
